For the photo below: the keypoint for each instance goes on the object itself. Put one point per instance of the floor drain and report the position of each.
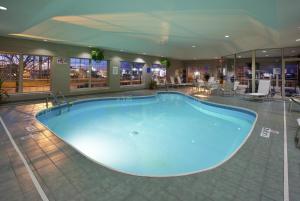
(134, 133)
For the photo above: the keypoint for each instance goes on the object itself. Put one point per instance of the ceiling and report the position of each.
(190, 29)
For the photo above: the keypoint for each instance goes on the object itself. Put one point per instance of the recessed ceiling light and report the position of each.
(298, 40)
(264, 51)
(227, 36)
(193, 46)
(2, 8)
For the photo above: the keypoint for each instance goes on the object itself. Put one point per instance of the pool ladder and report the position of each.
(56, 99)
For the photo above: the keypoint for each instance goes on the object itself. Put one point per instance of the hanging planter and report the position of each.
(97, 54)
(165, 62)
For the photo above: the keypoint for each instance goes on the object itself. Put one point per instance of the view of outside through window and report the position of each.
(9, 72)
(131, 73)
(159, 73)
(36, 73)
(86, 75)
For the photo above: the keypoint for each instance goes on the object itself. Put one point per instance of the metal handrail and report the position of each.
(55, 98)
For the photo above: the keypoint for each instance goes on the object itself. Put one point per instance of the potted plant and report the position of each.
(165, 62)
(152, 84)
(97, 54)
(221, 76)
(3, 92)
(206, 77)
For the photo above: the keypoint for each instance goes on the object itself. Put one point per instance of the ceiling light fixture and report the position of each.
(264, 51)
(227, 36)
(298, 40)
(193, 46)
(3, 8)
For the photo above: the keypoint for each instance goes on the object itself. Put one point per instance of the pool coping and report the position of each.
(241, 109)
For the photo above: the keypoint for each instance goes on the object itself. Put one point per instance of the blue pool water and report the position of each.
(164, 135)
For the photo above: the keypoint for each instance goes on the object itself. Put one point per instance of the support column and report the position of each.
(253, 71)
(282, 75)
(60, 75)
(114, 73)
(20, 76)
(234, 63)
(90, 73)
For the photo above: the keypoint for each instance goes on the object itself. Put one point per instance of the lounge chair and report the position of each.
(264, 87)
(159, 83)
(229, 89)
(235, 86)
(181, 83)
(172, 84)
(294, 100)
(297, 140)
(226, 89)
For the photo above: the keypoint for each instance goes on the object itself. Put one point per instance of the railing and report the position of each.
(58, 99)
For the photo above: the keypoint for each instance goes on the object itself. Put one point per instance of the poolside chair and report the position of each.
(235, 87)
(172, 84)
(163, 83)
(294, 100)
(264, 87)
(226, 89)
(212, 84)
(180, 83)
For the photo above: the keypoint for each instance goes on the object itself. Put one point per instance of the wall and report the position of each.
(60, 72)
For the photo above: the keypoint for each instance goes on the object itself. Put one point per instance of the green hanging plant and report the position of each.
(165, 62)
(97, 54)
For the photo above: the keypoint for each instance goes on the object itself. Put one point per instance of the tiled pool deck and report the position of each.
(254, 173)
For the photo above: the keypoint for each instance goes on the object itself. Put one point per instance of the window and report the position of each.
(36, 73)
(84, 75)
(137, 73)
(158, 72)
(99, 73)
(243, 68)
(9, 72)
(79, 73)
(131, 73)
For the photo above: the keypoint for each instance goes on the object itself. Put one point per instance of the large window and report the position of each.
(79, 73)
(9, 72)
(99, 73)
(137, 73)
(131, 73)
(243, 68)
(227, 68)
(268, 66)
(86, 75)
(36, 73)
(159, 72)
